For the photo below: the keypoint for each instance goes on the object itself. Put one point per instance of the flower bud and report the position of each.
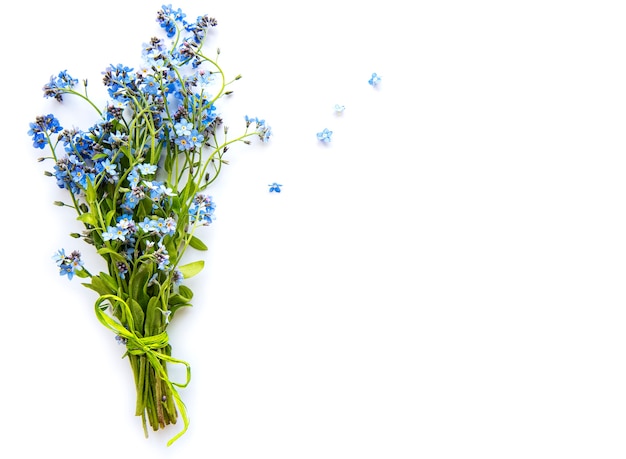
(59, 203)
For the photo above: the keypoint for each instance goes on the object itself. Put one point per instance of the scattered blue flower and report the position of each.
(374, 80)
(325, 135)
(275, 187)
(339, 108)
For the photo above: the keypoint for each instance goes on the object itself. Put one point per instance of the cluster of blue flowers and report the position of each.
(182, 114)
(68, 264)
(201, 210)
(168, 17)
(57, 84)
(263, 130)
(42, 128)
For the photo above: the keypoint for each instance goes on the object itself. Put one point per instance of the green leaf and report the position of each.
(177, 307)
(109, 280)
(184, 295)
(110, 216)
(90, 193)
(191, 269)
(185, 292)
(81, 273)
(154, 317)
(197, 244)
(137, 284)
(88, 218)
(113, 253)
(100, 286)
(138, 314)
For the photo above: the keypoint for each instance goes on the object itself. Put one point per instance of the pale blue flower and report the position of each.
(374, 80)
(325, 135)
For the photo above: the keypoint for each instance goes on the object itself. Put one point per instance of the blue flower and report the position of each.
(201, 210)
(177, 277)
(117, 232)
(183, 128)
(196, 139)
(275, 187)
(146, 169)
(374, 80)
(122, 268)
(184, 143)
(39, 140)
(325, 135)
(162, 257)
(151, 86)
(339, 108)
(68, 264)
(42, 128)
(59, 85)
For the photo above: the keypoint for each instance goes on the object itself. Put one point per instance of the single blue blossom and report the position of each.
(339, 108)
(184, 143)
(183, 128)
(196, 139)
(325, 135)
(275, 187)
(151, 86)
(374, 80)
(146, 169)
(113, 233)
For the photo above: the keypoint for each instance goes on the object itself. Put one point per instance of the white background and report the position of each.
(445, 279)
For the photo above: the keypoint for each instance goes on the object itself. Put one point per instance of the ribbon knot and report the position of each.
(140, 346)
